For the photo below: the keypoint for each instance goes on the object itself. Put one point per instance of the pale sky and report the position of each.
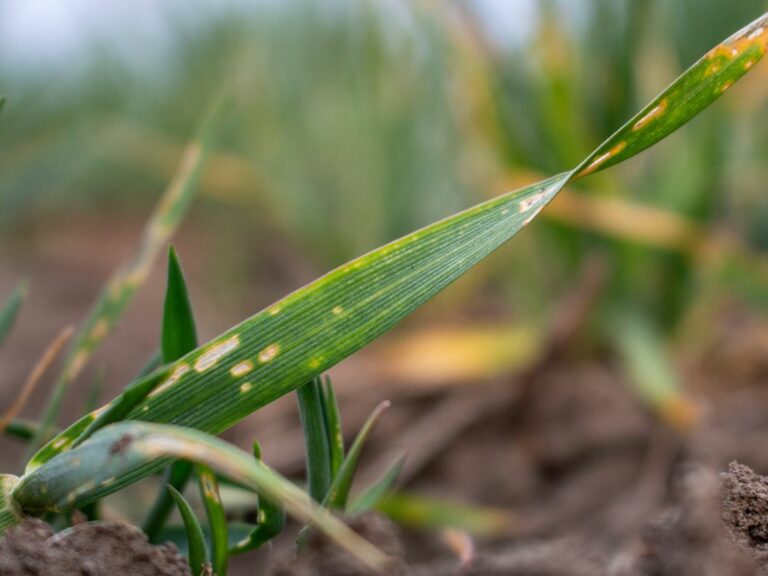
(55, 33)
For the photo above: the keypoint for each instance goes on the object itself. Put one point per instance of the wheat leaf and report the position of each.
(299, 337)
(217, 520)
(124, 452)
(198, 552)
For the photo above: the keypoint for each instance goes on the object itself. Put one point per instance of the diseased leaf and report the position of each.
(11, 308)
(309, 331)
(697, 88)
(124, 452)
(318, 452)
(217, 520)
(197, 550)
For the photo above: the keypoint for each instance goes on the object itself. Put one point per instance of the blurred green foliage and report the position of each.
(357, 122)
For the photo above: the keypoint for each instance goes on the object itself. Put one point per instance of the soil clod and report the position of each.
(92, 549)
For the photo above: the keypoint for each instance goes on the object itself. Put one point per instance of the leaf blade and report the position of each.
(11, 309)
(179, 333)
(217, 520)
(129, 450)
(198, 551)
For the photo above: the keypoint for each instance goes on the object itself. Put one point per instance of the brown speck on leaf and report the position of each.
(120, 446)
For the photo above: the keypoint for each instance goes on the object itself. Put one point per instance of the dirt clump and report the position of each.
(91, 549)
(689, 539)
(324, 558)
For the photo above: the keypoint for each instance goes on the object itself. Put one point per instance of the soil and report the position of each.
(90, 549)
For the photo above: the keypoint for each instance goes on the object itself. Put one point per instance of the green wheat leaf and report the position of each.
(333, 422)
(369, 499)
(178, 337)
(271, 520)
(217, 520)
(301, 336)
(124, 452)
(10, 514)
(697, 88)
(10, 310)
(342, 484)
(312, 412)
(337, 494)
(198, 552)
(179, 334)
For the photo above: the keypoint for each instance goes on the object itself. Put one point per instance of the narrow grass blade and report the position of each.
(336, 497)
(179, 334)
(650, 371)
(11, 310)
(217, 520)
(421, 512)
(314, 328)
(316, 442)
(271, 520)
(177, 476)
(198, 552)
(177, 534)
(333, 421)
(342, 484)
(21, 429)
(369, 499)
(124, 452)
(123, 285)
(45, 361)
(271, 524)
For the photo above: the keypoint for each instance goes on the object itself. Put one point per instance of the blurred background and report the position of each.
(639, 294)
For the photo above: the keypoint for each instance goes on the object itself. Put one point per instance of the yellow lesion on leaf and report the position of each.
(245, 387)
(100, 329)
(269, 353)
(652, 115)
(529, 203)
(603, 158)
(210, 357)
(241, 369)
(175, 376)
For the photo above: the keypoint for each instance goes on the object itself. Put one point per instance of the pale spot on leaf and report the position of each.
(216, 352)
(175, 376)
(269, 353)
(652, 115)
(241, 369)
(245, 387)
